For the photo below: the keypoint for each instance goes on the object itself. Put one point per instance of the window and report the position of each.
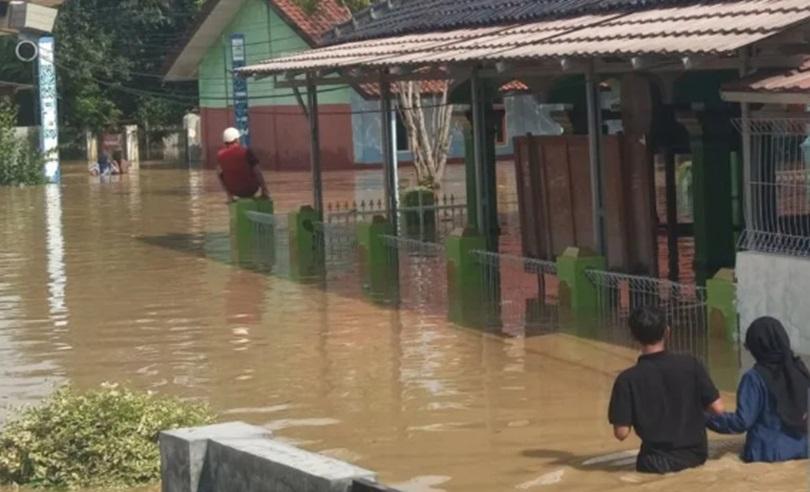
(403, 144)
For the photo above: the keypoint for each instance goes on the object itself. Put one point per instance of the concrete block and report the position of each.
(263, 465)
(183, 452)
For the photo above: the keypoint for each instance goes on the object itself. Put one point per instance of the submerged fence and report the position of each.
(685, 307)
(777, 185)
(521, 293)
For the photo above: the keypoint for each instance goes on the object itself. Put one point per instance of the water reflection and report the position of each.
(55, 245)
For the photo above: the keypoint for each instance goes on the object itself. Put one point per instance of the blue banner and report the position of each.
(49, 132)
(240, 88)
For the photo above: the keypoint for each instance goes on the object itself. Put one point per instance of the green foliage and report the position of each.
(102, 438)
(109, 61)
(20, 161)
(311, 6)
(356, 5)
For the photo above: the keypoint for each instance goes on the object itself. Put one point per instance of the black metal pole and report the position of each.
(315, 147)
(388, 157)
(595, 147)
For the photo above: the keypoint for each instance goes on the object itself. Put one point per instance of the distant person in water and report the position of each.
(771, 398)
(664, 398)
(239, 170)
(105, 166)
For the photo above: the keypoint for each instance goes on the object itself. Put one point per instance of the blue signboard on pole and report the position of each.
(240, 88)
(49, 133)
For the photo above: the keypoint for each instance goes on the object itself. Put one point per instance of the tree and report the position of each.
(109, 56)
(428, 127)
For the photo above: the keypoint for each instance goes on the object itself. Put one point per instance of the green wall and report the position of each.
(267, 35)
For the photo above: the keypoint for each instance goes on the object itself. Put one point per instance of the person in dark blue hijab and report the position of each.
(771, 398)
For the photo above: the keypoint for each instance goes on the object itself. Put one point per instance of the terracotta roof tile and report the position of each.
(327, 15)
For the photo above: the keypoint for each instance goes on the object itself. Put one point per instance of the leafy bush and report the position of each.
(20, 161)
(102, 438)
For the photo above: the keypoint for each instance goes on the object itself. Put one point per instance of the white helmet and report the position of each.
(231, 135)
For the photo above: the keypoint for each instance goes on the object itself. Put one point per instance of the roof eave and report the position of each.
(756, 97)
(213, 19)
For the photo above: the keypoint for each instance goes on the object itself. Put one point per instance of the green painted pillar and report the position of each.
(466, 297)
(305, 261)
(711, 136)
(721, 300)
(721, 303)
(577, 292)
(469, 177)
(379, 264)
(419, 214)
(242, 229)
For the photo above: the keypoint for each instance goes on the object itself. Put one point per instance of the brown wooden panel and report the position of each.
(555, 160)
(615, 198)
(581, 189)
(642, 220)
(527, 189)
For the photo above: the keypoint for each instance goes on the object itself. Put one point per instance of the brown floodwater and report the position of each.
(129, 281)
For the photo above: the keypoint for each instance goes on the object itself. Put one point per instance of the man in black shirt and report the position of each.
(663, 397)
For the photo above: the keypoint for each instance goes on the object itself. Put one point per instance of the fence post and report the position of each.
(377, 269)
(242, 232)
(577, 292)
(721, 301)
(305, 263)
(465, 278)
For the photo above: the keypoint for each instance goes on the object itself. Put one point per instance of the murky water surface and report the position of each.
(128, 281)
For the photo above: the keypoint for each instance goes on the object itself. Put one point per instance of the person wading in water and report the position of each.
(771, 398)
(663, 397)
(239, 170)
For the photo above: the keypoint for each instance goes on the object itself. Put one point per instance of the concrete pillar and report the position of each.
(577, 292)
(721, 300)
(306, 260)
(711, 136)
(242, 229)
(466, 279)
(131, 151)
(379, 264)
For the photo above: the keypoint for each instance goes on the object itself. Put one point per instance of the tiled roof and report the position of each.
(704, 29)
(795, 81)
(395, 17)
(216, 14)
(327, 15)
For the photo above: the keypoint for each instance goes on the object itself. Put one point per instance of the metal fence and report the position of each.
(422, 273)
(777, 185)
(427, 221)
(340, 245)
(271, 242)
(521, 293)
(619, 294)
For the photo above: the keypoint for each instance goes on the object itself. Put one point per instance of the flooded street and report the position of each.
(130, 282)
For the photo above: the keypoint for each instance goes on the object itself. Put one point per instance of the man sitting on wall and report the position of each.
(239, 170)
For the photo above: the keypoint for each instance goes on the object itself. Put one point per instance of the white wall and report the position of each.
(777, 286)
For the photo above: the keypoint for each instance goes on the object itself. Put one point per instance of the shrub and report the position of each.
(20, 161)
(102, 438)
